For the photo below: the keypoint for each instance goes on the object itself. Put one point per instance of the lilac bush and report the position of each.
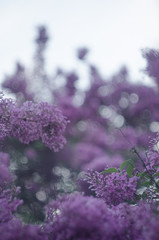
(106, 120)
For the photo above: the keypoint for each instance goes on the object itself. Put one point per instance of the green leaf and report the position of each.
(146, 184)
(130, 169)
(123, 164)
(143, 174)
(156, 174)
(110, 170)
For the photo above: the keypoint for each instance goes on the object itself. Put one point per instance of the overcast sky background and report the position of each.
(114, 30)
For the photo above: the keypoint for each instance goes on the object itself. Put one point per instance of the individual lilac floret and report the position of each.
(76, 217)
(113, 188)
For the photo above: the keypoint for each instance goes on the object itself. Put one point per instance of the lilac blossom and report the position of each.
(32, 122)
(78, 217)
(113, 188)
(152, 57)
(139, 222)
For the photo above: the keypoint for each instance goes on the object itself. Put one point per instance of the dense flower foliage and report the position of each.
(14, 230)
(85, 218)
(81, 218)
(137, 222)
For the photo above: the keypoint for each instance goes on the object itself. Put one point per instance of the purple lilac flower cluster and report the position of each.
(31, 122)
(152, 57)
(113, 188)
(138, 222)
(77, 217)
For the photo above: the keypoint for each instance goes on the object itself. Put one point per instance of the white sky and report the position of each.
(114, 30)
